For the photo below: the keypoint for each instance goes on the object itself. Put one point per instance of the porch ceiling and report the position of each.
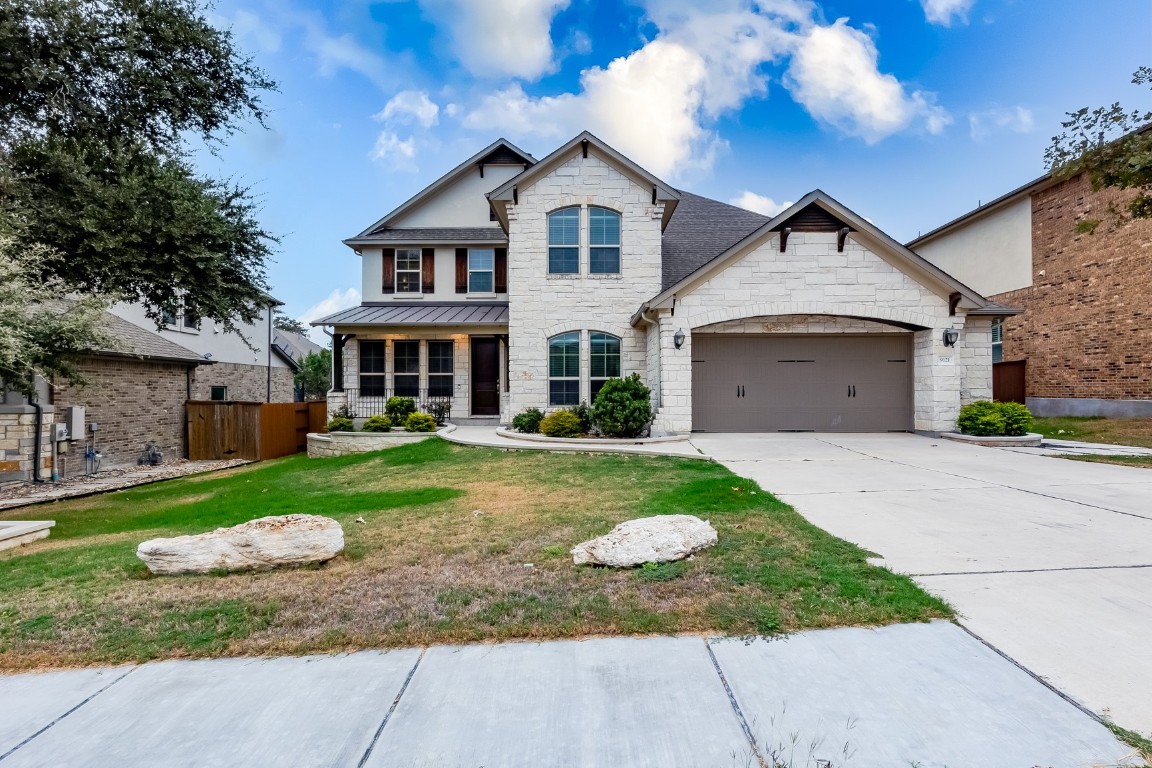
(423, 313)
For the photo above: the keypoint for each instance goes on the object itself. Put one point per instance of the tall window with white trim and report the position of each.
(605, 360)
(481, 269)
(408, 270)
(564, 242)
(604, 241)
(564, 369)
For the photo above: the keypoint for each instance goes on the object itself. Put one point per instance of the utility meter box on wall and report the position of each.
(74, 420)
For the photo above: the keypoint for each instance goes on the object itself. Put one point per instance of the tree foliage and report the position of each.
(315, 374)
(1113, 146)
(290, 324)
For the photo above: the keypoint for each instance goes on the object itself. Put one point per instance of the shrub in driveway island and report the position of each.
(420, 422)
(377, 423)
(528, 421)
(561, 424)
(1017, 418)
(985, 418)
(623, 408)
(399, 408)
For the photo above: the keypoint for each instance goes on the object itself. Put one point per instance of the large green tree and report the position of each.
(101, 103)
(315, 374)
(1113, 146)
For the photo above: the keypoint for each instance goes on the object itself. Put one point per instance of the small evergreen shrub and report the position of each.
(985, 418)
(378, 423)
(1017, 418)
(561, 424)
(399, 408)
(341, 424)
(584, 413)
(528, 421)
(623, 408)
(440, 411)
(420, 422)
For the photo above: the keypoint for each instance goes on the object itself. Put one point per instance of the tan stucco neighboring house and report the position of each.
(513, 282)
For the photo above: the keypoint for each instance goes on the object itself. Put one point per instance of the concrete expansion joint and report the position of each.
(735, 706)
(1038, 570)
(388, 715)
(28, 740)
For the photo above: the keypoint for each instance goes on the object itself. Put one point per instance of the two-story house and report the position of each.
(512, 282)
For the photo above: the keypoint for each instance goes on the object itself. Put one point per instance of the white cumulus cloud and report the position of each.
(330, 304)
(410, 107)
(751, 201)
(510, 38)
(1016, 119)
(412, 111)
(943, 12)
(835, 75)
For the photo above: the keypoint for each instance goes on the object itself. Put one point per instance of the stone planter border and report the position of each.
(1030, 440)
(534, 438)
(13, 533)
(329, 444)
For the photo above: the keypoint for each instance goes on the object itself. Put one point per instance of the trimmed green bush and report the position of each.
(561, 424)
(985, 418)
(1017, 418)
(420, 422)
(623, 407)
(399, 408)
(341, 424)
(528, 421)
(584, 413)
(378, 423)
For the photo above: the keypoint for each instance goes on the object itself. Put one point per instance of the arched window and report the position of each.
(564, 241)
(564, 369)
(605, 360)
(603, 241)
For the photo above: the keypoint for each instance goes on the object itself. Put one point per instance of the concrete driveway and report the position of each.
(1047, 560)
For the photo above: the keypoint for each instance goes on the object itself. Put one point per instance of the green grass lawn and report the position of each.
(1124, 461)
(458, 544)
(1096, 429)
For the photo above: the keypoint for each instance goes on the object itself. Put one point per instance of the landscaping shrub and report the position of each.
(1017, 418)
(528, 421)
(399, 408)
(561, 424)
(985, 418)
(623, 408)
(584, 413)
(341, 424)
(440, 411)
(378, 423)
(420, 422)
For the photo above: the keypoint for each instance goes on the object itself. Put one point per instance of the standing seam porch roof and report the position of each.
(453, 313)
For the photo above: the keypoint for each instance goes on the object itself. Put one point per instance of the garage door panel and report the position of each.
(840, 383)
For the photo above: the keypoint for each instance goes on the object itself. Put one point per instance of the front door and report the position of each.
(485, 377)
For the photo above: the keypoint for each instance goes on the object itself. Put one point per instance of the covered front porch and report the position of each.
(450, 359)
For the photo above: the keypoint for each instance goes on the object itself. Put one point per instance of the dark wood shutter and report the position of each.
(461, 270)
(428, 270)
(388, 285)
(501, 276)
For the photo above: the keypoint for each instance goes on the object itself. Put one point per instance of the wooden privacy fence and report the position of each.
(1008, 381)
(255, 431)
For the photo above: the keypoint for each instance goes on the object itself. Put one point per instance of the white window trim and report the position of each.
(619, 246)
(581, 237)
(578, 378)
(419, 273)
(482, 294)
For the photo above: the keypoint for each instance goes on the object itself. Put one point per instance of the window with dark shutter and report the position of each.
(461, 270)
(428, 265)
(501, 270)
(389, 283)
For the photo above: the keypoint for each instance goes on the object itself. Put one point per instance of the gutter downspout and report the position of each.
(36, 478)
(269, 398)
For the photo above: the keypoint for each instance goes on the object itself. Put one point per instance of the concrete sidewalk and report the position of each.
(928, 694)
(1047, 559)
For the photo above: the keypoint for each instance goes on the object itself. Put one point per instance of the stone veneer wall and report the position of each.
(812, 278)
(244, 382)
(18, 442)
(543, 305)
(134, 402)
(1084, 331)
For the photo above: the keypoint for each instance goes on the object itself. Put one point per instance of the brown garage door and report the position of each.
(810, 383)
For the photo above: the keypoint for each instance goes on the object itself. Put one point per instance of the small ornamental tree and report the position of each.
(623, 407)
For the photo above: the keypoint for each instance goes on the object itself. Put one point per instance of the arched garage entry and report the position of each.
(803, 374)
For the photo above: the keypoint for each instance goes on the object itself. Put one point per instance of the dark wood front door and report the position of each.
(485, 377)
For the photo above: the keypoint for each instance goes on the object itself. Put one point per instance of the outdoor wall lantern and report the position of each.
(950, 337)
(678, 339)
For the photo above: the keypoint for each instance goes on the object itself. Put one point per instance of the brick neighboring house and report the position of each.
(512, 282)
(1084, 330)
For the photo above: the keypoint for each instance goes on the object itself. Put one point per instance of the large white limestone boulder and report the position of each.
(261, 544)
(647, 540)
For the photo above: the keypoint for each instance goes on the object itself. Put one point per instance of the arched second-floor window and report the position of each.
(605, 360)
(564, 369)
(603, 241)
(564, 241)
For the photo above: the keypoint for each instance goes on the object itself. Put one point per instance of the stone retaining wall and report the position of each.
(343, 443)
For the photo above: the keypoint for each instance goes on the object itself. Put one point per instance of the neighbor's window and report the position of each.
(439, 369)
(997, 340)
(564, 242)
(481, 263)
(373, 382)
(406, 380)
(407, 270)
(168, 317)
(604, 241)
(191, 319)
(605, 360)
(564, 369)
(219, 393)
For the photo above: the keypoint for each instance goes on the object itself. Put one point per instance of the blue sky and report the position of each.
(908, 111)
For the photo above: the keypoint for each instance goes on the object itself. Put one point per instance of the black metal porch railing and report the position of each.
(364, 402)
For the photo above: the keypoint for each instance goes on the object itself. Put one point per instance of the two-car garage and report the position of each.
(802, 383)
